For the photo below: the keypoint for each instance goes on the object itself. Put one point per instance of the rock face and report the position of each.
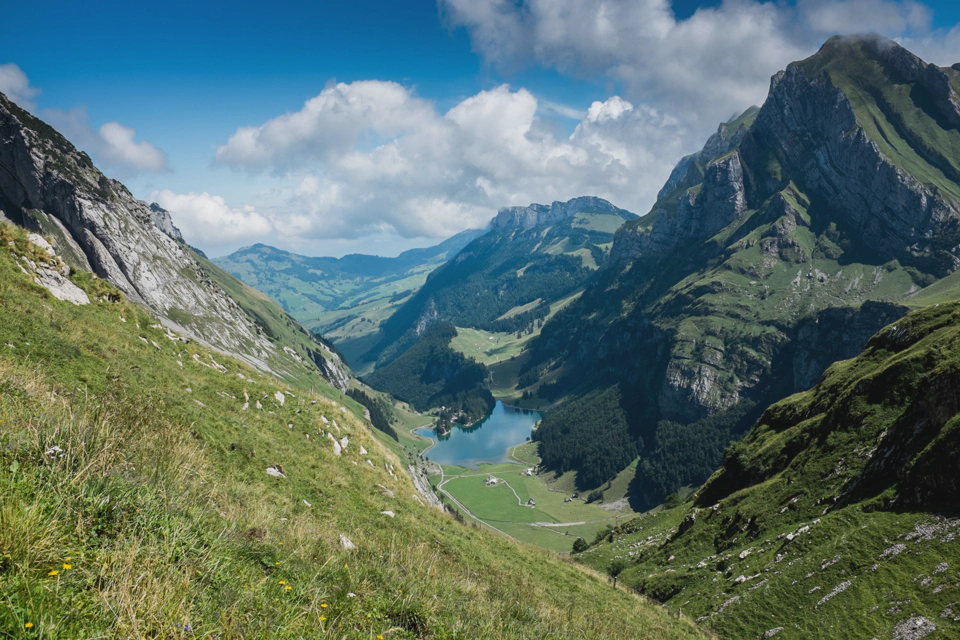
(539, 215)
(53, 275)
(95, 224)
(163, 221)
(822, 144)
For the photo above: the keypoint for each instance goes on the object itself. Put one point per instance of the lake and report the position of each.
(487, 441)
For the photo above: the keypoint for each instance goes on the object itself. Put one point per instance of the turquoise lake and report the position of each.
(487, 441)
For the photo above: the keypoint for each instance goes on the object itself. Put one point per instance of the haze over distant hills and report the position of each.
(343, 298)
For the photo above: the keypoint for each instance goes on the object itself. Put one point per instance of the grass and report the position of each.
(503, 506)
(493, 348)
(159, 520)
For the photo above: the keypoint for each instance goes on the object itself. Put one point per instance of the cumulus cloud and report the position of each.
(706, 67)
(208, 219)
(113, 146)
(119, 148)
(373, 157)
(16, 86)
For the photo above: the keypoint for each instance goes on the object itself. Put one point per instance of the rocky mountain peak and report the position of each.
(863, 126)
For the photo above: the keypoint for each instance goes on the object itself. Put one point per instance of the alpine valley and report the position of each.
(750, 398)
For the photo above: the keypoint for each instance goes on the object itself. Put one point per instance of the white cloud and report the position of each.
(208, 220)
(113, 147)
(373, 158)
(16, 86)
(119, 148)
(704, 68)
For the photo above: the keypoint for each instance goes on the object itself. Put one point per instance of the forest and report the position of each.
(589, 435)
(430, 374)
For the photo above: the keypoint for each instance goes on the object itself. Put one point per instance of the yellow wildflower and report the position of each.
(323, 606)
(68, 566)
(322, 618)
(29, 625)
(277, 563)
(288, 587)
(283, 582)
(53, 573)
(68, 558)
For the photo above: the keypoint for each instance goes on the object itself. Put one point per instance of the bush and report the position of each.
(580, 545)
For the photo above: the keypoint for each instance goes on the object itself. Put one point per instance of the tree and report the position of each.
(615, 568)
(580, 545)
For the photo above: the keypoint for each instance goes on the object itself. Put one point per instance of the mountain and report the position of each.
(836, 516)
(506, 280)
(95, 225)
(156, 488)
(343, 298)
(797, 232)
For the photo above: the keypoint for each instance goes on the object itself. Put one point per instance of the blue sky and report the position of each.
(426, 116)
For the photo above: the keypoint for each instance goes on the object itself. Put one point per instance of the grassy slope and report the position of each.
(277, 323)
(492, 348)
(810, 466)
(162, 509)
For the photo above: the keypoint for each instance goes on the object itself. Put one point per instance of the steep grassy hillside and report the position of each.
(135, 501)
(312, 353)
(836, 516)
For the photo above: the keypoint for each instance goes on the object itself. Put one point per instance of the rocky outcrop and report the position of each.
(700, 213)
(836, 334)
(51, 273)
(539, 215)
(163, 221)
(689, 173)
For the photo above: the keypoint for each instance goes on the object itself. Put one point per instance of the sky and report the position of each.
(374, 126)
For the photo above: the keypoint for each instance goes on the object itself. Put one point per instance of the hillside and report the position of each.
(837, 514)
(431, 374)
(344, 298)
(505, 280)
(151, 487)
(797, 232)
(50, 188)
